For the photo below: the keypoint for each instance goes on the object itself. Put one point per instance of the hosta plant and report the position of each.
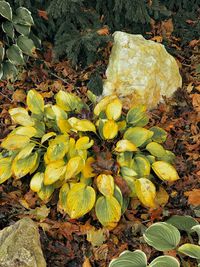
(15, 44)
(164, 236)
(98, 159)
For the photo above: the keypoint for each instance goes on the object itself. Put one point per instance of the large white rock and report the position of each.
(140, 71)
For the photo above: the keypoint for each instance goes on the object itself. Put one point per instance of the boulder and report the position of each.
(20, 245)
(140, 71)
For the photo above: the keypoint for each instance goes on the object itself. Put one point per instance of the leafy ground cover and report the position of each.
(68, 242)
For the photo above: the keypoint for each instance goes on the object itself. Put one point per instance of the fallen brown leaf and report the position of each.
(193, 197)
(86, 263)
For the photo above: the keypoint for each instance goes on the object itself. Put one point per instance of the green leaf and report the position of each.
(5, 169)
(196, 229)
(137, 135)
(62, 203)
(142, 166)
(26, 45)
(2, 53)
(118, 195)
(162, 236)
(9, 71)
(165, 261)
(15, 55)
(183, 223)
(159, 135)
(22, 29)
(136, 114)
(156, 149)
(165, 171)
(191, 250)
(45, 192)
(8, 28)
(127, 258)
(108, 211)
(80, 200)
(23, 16)
(35, 102)
(5, 10)
(1, 71)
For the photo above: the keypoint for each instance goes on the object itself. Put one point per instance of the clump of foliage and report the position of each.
(98, 159)
(15, 44)
(164, 236)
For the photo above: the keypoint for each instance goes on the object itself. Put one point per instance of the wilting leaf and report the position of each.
(162, 236)
(159, 135)
(5, 10)
(125, 145)
(58, 112)
(162, 196)
(84, 143)
(165, 261)
(21, 167)
(37, 181)
(184, 223)
(39, 213)
(165, 171)
(87, 171)
(63, 125)
(105, 184)
(110, 129)
(191, 250)
(15, 141)
(108, 211)
(138, 135)
(74, 166)
(20, 116)
(96, 237)
(5, 169)
(146, 192)
(156, 149)
(127, 258)
(35, 102)
(54, 172)
(103, 104)
(114, 109)
(80, 200)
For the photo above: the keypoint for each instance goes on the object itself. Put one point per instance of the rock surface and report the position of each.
(140, 71)
(20, 245)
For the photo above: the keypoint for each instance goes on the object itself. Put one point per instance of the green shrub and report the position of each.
(16, 45)
(163, 236)
(98, 160)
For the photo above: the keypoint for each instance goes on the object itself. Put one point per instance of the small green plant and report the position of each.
(15, 41)
(164, 236)
(98, 160)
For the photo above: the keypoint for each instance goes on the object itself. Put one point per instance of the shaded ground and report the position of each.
(64, 241)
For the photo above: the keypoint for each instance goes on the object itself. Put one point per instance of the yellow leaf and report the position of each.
(25, 130)
(165, 171)
(103, 104)
(35, 102)
(21, 167)
(84, 143)
(72, 152)
(105, 184)
(146, 192)
(142, 166)
(54, 172)
(88, 170)
(69, 102)
(114, 109)
(26, 151)
(59, 112)
(74, 166)
(162, 197)
(125, 145)
(86, 263)
(14, 142)
(82, 125)
(5, 169)
(64, 125)
(121, 125)
(20, 116)
(47, 136)
(80, 200)
(37, 181)
(110, 129)
(56, 149)
(108, 211)
(45, 192)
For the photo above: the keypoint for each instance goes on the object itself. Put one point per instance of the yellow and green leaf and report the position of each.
(103, 104)
(35, 102)
(37, 181)
(84, 143)
(21, 116)
(5, 169)
(15, 142)
(138, 135)
(54, 171)
(74, 166)
(125, 145)
(114, 109)
(146, 192)
(165, 171)
(87, 171)
(110, 129)
(105, 184)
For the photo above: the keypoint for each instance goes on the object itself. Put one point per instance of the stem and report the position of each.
(38, 143)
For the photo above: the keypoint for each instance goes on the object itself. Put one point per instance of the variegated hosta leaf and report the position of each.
(5, 169)
(74, 166)
(110, 129)
(114, 109)
(146, 192)
(20, 116)
(25, 130)
(108, 211)
(159, 135)
(54, 172)
(128, 258)
(125, 159)
(87, 171)
(23, 166)
(47, 136)
(62, 203)
(136, 114)
(72, 152)
(26, 151)
(105, 184)
(37, 181)
(156, 149)
(103, 104)
(15, 142)
(35, 102)
(59, 112)
(142, 166)
(191, 250)
(45, 192)
(64, 125)
(56, 149)
(125, 145)
(165, 171)
(82, 125)
(138, 135)
(84, 143)
(165, 261)
(80, 200)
